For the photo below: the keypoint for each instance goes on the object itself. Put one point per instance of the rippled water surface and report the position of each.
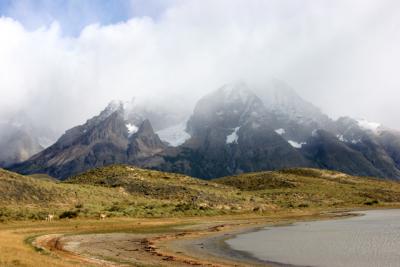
(369, 240)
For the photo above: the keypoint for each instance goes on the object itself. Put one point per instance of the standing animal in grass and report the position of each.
(49, 217)
(103, 216)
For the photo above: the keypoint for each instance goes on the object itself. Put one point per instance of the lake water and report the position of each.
(369, 240)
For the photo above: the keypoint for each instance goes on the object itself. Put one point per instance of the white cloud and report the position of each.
(341, 55)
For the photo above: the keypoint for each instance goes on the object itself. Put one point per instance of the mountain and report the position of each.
(390, 141)
(328, 152)
(294, 118)
(232, 130)
(111, 137)
(144, 144)
(230, 133)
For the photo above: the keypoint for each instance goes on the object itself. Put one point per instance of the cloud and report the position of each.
(343, 56)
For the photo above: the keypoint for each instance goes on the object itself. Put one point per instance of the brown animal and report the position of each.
(103, 216)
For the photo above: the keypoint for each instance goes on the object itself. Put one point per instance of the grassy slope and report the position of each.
(159, 185)
(117, 191)
(315, 188)
(127, 191)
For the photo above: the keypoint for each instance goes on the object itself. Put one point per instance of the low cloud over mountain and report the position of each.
(343, 55)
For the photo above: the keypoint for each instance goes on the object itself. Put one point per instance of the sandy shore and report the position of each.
(198, 244)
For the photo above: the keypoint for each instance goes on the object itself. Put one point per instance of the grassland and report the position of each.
(126, 191)
(118, 191)
(313, 188)
(144, 201)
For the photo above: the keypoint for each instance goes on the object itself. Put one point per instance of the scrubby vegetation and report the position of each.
(116, 191)
(121, 190)
(305, 188)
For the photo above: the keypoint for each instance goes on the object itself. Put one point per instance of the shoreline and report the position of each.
(202, 243)
(214, 246)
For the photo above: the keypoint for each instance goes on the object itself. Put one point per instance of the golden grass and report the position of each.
(16, 237)
(128, 195)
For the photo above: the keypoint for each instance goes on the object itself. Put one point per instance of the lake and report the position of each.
(369, 240)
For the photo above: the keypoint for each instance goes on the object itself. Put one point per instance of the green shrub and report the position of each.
(69, 214)
(303, 205)
(371, 202)
(182, 207)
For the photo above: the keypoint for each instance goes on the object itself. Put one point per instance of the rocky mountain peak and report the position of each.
(113, 106)
(228, 107)
(235, 92)
(145, 128)
(284, 101)
(144, 144)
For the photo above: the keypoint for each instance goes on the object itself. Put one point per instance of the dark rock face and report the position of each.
(97, 143)
(231, 131)
(231, 134)
(329, 153)
(144, 144)
(390, 141)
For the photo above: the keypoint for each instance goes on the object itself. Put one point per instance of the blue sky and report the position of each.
(74, 15)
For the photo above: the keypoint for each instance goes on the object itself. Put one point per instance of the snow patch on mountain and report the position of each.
(280, 131)
(233, 137)
(131, 128)
(296, 144)
(175, 135)
(368, 125)
(355, 141)
(341, 138)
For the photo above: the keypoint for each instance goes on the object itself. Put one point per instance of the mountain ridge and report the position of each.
(231, 131)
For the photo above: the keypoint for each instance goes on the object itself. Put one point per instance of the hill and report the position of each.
(315, 188)
(117, 191)
(161, 185)
(122, 190)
